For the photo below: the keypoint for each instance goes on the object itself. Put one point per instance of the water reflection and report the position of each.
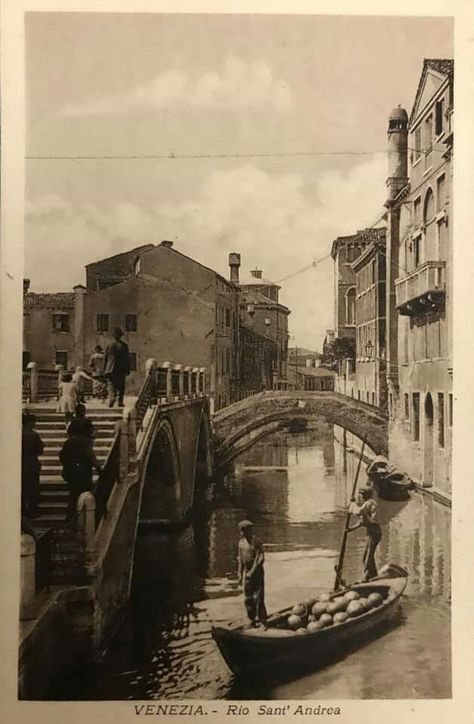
(183, 585)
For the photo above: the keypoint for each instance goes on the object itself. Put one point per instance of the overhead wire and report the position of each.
(171, 155)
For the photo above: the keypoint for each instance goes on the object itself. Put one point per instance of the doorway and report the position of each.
(429, 446)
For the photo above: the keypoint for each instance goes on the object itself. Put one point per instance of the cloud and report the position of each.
(271, 219)
(238, 86)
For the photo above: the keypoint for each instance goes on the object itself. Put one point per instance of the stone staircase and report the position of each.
(51, 427)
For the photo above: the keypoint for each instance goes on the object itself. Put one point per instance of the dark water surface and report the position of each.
(184, 584)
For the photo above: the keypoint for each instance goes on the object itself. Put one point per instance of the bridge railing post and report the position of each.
(196, 381)
(86, 524)
(122, 426)
(33, 368)
(130, 419)
(188, 382)
(179, 369)
(169, 381)
(202, 381)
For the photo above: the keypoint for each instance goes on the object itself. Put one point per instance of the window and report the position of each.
(350, 306)
(450, 410)
(102, 322)
(441, 419)
(428, 133)
(417, 211)
(417, 251)
(136, 266)
(132, 357)
(130, 322)
(416, 415)
(26, 359)
(61, 358)
(407, 406)
(227, 317)
(440, 193)
(417, 152)
(391, 410)
(439, 117)
(60, 322)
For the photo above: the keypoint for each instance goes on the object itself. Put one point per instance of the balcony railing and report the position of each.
(423, 289)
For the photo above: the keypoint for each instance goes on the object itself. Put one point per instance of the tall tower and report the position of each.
(397, 151)
(397, 179)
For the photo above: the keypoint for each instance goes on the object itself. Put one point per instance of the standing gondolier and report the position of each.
(116, 367)
(366, 510)
(250, 574)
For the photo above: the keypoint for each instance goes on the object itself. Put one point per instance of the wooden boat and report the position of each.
(390, 483)
(394, 486)
(297, 424)
(247, 650)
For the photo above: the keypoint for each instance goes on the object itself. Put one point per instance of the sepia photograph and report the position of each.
(237, 363)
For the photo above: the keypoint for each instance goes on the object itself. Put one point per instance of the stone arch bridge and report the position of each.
(238, 426)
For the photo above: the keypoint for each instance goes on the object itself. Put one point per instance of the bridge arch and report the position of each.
(161, 491)
(241, 424)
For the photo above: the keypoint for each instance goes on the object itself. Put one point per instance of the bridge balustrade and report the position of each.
(109, 476)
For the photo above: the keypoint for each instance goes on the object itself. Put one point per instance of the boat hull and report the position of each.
(394, 490)
(246, 652)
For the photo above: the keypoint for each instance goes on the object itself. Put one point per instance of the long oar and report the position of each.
(342, 550)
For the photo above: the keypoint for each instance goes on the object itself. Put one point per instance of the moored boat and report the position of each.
(247, 650)
(394, 486)
(391, 484)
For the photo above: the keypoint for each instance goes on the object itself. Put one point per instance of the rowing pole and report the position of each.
(342, 551)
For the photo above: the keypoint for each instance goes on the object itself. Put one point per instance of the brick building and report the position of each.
(170, 307)
(345, 250)
(263, 332)
(370, 368)
(419, 279)
(50, 327)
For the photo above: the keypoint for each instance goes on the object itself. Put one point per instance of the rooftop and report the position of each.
(363, 236)
(57, 300)
(443, 66)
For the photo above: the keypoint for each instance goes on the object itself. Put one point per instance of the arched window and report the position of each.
(429, 206)
(429, 210)
(350, 306)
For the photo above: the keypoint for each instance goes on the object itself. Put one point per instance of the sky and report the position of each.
(260, 134)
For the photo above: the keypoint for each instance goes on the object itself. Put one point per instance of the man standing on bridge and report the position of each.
(250, 574)
(116, 367)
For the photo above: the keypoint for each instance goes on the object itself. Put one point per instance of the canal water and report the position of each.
(295, 488)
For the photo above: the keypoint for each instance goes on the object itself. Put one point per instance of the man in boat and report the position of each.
(250, 573)
(366, 510)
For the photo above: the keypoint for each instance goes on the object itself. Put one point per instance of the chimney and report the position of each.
(168, 244)
(26, 285)
(256, 273)
(234, 263)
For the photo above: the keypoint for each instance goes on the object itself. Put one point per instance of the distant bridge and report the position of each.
(239, 425)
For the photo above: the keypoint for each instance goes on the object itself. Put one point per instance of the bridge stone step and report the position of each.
(52, 508)
(58, 436)
(50, 414)
(52, 451)
(99, 424)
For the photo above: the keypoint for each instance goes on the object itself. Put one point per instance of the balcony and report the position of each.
(422, 290)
